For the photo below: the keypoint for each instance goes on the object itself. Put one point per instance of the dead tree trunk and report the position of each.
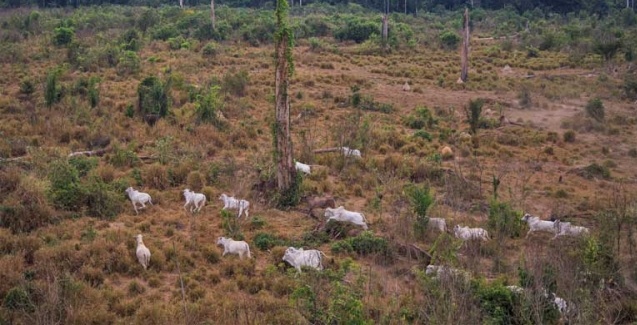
(464, 55)
(385, 30)
(213, 18)
(286, 173)
(181, 4)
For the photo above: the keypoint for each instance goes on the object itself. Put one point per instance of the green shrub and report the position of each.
(152, 97)
(27, 87)
(63, 35)
(595, 109)
(497, 302)
(164, 32)
(128, 63)
(65, 191)
(148, 19)
(503, 220)
(421, 118)
(18, 298)
(52, 90)
(423, 135)
(83, 164)
(473, 113)
(569, 136)
(230, 225)
(357, 30)
(208, 106)
(179, 42)
(449, 39)
(421, 200)
(130, 40)
(265, 241)
(102, 201)
(210, 50)
(595, 170)
(235, 83)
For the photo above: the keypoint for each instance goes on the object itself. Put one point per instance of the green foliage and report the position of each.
(357, 29)
(421, 118)
(102, 201)
(152, 97)
(292, 196)
(595, 109)
(52, 90)
(235, 83)
(595, 170)
(423, 135)
(93, 93)
(365, 244)
(63, 35)
(210, 50)
(503, 220)
(148, 19)
(128, 63)
(207, 107)
(265, 241)
(18, 298)
(449, 39)
(497, 302)
(630, 86)
(421, 200)
(83, 164)
(230, 225)
(123, 157)
(179, 42)
(65, 192)
(27, 87)
(130, 40)
(164, 32)
(473, 113)
(569, 136)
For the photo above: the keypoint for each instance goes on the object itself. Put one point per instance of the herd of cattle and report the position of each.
(299, 257)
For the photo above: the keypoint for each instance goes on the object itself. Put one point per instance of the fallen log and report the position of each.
(89, 153)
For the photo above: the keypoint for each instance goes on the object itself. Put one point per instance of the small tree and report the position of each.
(208, 107)
(152, 97)
(473, 113)
(595, 109)
(464, 59)
(52, 91)
(421, 199)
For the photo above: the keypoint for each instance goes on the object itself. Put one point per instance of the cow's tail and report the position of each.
(248, 247)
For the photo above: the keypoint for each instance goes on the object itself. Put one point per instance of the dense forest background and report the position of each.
(593, 7)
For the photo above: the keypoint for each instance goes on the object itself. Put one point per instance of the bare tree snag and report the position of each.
(385, 30)
(181, 4)
(213, 18)
(286, 173)
(464, 55)
(98, 153)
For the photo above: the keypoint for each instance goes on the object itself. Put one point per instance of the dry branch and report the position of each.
(324, 150)
(89, 153)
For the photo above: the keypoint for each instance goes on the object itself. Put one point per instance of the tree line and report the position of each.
(597, 7)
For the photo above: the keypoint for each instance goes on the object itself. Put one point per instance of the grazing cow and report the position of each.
(566, 229)
(302, 167)
(231, 246)
(438, 223)
(142, 252)
(229, 202)
(300, 257)
(351, 152)
(137, 197)
(340, 214)
(320, 202)
(535, 224)
(195, 200)
(466, 233)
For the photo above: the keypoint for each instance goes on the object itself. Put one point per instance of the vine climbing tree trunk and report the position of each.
(213, 18)
(464, 55)
(286, 173)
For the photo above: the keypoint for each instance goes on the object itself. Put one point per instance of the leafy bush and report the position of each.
(357, 30)
(18, 298)
(83, 164)
(595, 170)
(365, 244)
(449, 39)
(421, 199)
(179, 42)
(210, 50)
(128, 63)
(569, 136)
(496, 301)
(473, 113)
(235, 83)
(503, 220)
(148, 19)
(63, 35)
(164, 32)
(420, 118)
(595, 109)
(423, 135)
(102, 200)
(65, 191)
(152, 97)
(130, 40)
(265, 241)
(52, 90)
(207, 107)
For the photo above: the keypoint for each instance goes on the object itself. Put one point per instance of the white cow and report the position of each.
(535, 224)
(300, 257)
(195, 200)
(351, 152)
(138, 197)
(466, 233)
(438, 223)
(566, 229)
(443, 271)
(231, 246)
(302, 167)
(142, 252)
(340, 214)
(230, 202)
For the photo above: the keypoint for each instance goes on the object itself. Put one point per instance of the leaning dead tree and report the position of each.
(464, 54)
(286, 173)
(385, 25)
(181, 4)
